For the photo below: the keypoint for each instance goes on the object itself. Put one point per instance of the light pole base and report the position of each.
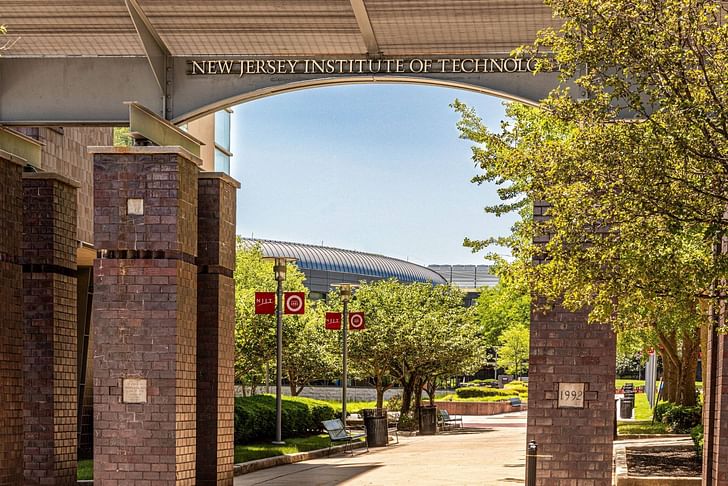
(275, 442)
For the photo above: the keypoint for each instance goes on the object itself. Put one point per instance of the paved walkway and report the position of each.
(489, 450)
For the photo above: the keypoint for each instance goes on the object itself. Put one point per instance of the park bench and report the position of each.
(447, 420)
(515, 402)
(338, 434)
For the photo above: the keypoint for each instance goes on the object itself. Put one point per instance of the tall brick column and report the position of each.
(145, 314)
(49, 332)
(574, 444)
(717, 462)
(215, 328)
(11, 324)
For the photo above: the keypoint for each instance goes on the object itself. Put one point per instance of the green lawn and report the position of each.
(643, 419)
(251, 452)
(244, 453)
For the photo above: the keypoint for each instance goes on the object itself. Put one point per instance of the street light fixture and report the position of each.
(345, 292)
(279, 271)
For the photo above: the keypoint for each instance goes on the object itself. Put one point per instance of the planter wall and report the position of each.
(479, 408)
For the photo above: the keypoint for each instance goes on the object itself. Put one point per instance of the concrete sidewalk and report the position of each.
(488, 450)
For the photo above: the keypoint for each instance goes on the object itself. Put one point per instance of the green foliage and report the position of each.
(697, 435)
(641, 427)
(478, 392)
(394, 403)
(309, 351)
(255, 417)
(122, 137)
(407, 422)
(490, 383)
(513, 353)
(681, 418)
(660, 410)
(519, 387)
(85, 470)
(415, 333)
(500, 308)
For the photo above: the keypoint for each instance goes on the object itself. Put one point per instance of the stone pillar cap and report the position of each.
(52, 176)
(147, 150)
(219, 175)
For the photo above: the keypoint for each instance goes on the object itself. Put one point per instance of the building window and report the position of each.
(222, 129)
(222, 161)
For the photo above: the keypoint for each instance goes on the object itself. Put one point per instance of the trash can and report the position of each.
(375, 422)
(428, 420)
(625, 408)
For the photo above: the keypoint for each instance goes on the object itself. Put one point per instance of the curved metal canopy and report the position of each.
(313, 257)
(76, 61)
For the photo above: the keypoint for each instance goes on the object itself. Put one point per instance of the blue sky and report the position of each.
(376, 168)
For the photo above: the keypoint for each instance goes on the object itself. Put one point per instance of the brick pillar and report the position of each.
(718, 460)
(49, 331)
(145, 313)
(565, 349)
(11, 324)
(216, 328)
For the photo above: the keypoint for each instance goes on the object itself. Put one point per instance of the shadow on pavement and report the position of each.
(306, 474)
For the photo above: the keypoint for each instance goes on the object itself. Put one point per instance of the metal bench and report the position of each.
(515, 402)
(449, 420)
(337, 433)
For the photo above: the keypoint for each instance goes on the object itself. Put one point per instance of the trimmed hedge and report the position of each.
(680, 418)
(255, 417)
(476, 391)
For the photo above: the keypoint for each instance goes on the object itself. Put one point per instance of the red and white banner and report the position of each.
(265, 302)
(333, 320)
(356, 321)
(294, 303)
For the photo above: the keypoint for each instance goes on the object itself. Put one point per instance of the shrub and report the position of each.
(517, 387)
(660, 410)
(394, 404)
(255, 417)
(680, 418)
(407, 422)
(697, 434)
(474, 391)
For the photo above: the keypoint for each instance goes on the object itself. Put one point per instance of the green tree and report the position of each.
(500, 308)
(307, 355)
(513, 353)
(415, 333)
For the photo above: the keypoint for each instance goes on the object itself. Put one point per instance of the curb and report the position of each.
(251, 466)
(651, 436)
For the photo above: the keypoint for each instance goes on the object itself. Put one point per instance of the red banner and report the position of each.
(294, 302)
(265, 302)
(333, 321)
(356, 321)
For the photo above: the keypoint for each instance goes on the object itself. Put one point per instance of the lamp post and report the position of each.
(345, 292)
(279, 270)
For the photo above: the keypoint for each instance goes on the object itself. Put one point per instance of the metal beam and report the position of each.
(157, 52)
(92, 90)
(145, 125)
(365, 26)
(21, 146)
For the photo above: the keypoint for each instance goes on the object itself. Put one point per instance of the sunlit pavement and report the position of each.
(488, 450)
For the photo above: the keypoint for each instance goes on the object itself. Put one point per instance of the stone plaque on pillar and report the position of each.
(135, 390)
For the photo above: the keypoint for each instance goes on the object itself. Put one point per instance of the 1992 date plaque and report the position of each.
(571, 395)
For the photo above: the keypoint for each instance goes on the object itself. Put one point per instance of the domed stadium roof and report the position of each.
(313, 257)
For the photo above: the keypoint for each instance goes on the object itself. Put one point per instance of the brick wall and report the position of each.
(145, 309)
(11, 330)
(65, 153)
(717, 461)
(574, 444)
(49, 333)
(216, 329)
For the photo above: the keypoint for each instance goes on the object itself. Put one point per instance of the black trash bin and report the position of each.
(428, 420)
(375, 421)
(625, 408)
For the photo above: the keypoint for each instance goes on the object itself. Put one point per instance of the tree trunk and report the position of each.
(407, 388)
